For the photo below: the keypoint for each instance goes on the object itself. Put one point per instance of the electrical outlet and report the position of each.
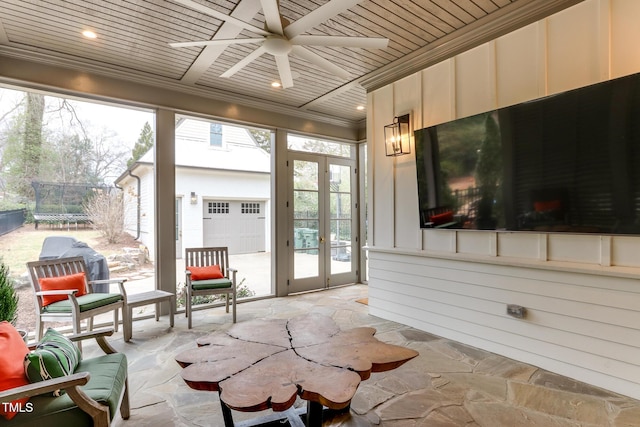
(517, 311)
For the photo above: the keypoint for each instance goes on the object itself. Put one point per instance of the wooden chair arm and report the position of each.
(47, 386)
(232, 273)
(104, 332)
(100, 335)
(103, 281)
(120, 283)
(71, 384)
(70, 293)
(57, 292)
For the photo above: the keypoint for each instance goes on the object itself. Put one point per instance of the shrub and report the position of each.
(8, 296)
(105, 210)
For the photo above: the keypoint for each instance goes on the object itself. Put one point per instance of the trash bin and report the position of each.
(305, 238)
(67, 246)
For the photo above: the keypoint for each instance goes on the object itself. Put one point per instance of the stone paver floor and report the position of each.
(448, 385)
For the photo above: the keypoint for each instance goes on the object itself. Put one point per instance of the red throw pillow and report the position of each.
(205, 273)
(12, 352)
(71, 281)
(442, 218)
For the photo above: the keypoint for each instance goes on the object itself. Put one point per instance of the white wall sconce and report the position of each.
(194, 198)
(396, 137)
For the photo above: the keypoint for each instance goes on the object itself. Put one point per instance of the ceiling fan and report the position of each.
(280, 38)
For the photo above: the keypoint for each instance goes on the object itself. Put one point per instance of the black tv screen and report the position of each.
(564, 163)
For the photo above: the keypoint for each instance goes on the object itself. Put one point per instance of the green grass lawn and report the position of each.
(24, 244)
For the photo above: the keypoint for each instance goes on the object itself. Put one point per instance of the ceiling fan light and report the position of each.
(277, 45)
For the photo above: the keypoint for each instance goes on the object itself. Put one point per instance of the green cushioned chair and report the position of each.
(93, 394)
(207, 257)
(74, 308)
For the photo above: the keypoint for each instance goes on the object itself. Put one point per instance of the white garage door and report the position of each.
(239, 225)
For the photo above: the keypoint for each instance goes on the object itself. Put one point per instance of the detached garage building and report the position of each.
(222, 190)
(240, 225)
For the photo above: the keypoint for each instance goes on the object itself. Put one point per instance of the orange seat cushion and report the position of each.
(12, 352)
(71, 281)
(205, 273)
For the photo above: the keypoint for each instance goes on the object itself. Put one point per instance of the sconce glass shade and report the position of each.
(194, 198)
(396, 137)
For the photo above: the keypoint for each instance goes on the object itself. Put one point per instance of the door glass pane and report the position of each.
(305, 204)
(306, 219)
(305, 175)
(340, 246)
(340, 218)
(305, 264)
(340, 206)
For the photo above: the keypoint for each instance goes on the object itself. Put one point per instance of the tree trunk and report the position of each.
(32, 143)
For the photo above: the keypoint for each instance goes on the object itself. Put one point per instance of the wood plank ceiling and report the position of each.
(133, 37)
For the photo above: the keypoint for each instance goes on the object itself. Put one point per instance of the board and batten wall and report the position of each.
(581, 292)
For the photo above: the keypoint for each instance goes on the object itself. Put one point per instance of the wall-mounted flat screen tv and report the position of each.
(564, 163)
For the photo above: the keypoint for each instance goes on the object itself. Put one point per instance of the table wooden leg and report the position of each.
(314, 414)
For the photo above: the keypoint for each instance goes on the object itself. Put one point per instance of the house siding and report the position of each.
(237, 170)
(581, 291)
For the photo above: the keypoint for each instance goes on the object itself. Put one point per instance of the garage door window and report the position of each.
(250, 208)
(218, 207)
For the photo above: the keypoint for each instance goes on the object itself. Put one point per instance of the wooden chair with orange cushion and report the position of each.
(208, 273)
(63, 294)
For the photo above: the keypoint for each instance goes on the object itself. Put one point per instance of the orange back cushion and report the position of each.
(12, 352)
(70, 281)
(205, 273)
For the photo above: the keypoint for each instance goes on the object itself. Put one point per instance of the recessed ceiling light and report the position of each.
(89, 34)
(276, 84)
(360, 107)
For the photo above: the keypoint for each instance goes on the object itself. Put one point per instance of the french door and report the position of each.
(322, 241)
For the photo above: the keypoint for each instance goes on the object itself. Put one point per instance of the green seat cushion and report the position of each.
(86, 302)
(200, 285)
(108, 376)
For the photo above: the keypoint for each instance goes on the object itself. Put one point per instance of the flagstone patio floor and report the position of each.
(448, 384)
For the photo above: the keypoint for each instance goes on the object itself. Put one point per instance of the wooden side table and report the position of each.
(146, 298)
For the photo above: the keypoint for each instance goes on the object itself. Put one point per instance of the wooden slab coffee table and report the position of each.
(264, 364)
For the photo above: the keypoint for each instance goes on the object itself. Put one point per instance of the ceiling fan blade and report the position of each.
(318, 16)
(363, 42)
(217, 42)
(272, 15)
(286, 78)
(244, 62)
(319, 61)
(221, 16)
